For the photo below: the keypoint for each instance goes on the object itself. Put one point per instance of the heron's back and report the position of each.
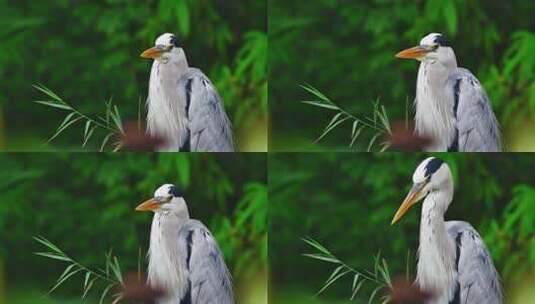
(477, 280)
(209, 279)
(477, 129)
(208, 125)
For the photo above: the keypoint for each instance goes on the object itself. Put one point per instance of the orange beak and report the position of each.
(412, 198)
(148, 205)
(412, 53)
(152, 53)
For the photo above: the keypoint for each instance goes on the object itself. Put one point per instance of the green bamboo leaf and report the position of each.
(86, 279)
(66, 120)
(65, 278)
(48, 92)
(372, 141)
(47, 243)
(104, 293)
(86, 128)
(333, 124)
(332, 280)
(54, 104)
(63, 128)
(118, 297)
(117, 119)
(386, 273)
(108, 261)
(373, 294)
(88, 287)
(356, 289)
(355, 136)
(53, 256)
(88, 135)
(334, 273)
(105, 141)
(316, 245)
(66, 272)
(384, 119)
(316, 93)
(320, 104)
(322, 258)
(116, 269)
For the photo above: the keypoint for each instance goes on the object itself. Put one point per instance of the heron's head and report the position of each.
(431, 175)
(166, 198)
(433, 48)
(165, 46)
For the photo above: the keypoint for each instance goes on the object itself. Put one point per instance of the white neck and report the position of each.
(436, 256)
(434, 107)
(165, 107)
(164, 270)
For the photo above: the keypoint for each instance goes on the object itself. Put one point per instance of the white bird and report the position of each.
(184, 108)
(184, 258)
(452, 108)
(453, 263)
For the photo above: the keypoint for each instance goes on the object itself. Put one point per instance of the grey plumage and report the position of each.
(478, 129)
(184, 258)
(209, 127)
(452, 108)
(209, 278)
(454, 265)
(184, 108)
(477, 278)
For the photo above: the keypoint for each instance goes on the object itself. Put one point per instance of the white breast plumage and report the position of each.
(163, 260)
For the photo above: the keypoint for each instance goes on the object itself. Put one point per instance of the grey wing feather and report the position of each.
(477, 127)
(478, 280)
(209, 279)
(209, 128)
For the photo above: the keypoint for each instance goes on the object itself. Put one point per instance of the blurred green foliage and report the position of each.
(85, 203)
(88, 51)
(346, 202)
(346, 49)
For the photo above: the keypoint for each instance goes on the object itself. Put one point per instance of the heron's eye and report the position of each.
(434, 47)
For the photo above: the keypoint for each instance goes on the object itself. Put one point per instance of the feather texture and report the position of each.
(185, 260)
(184, 108)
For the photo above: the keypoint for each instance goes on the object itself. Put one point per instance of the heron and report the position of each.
(452, 107)
(454, 264)
(184, 258)
(184, 108)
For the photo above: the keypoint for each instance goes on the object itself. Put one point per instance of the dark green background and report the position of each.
(88, 52)
(84, 203)
(346, 50)
(346, 202)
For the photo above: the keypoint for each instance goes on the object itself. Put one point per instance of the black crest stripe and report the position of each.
(432, 166)
(173, 190)
(441, 40)
(174, 41)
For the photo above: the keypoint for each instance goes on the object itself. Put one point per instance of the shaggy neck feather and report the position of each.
(434, 110)
(437, 251)
(164, 105)
(164, 271)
